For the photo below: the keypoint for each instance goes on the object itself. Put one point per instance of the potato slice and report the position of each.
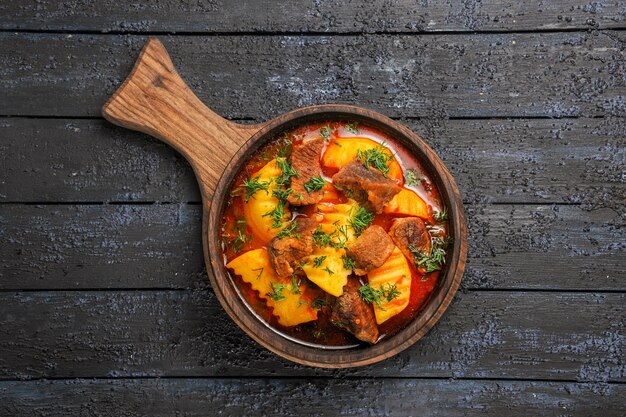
(409, 203)
(340, 152)
(263, 202)
(395, 271)
(335, 220)
(329, 274)
(255, 268)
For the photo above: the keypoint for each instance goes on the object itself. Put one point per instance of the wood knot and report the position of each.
(158, 81)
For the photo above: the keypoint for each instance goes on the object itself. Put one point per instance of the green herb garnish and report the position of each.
(252, 185)
(238, 241)
(386, 293)
(322, 239)
(348, 262)
(377, 157)
(284, 149)
(330, 271)
(436, 259)
(241, 237)
(325, 132)
(287, 172)
(277, 293)
(410, 177)
(277, 214)
(294, 285)
(314, 184)
(360, 219)
(319, 303)
(260, 272)
(288, 231)
(281, 194)
(317, 262)
(440, 216)
(352, 127)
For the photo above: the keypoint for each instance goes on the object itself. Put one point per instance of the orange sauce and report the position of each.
(322, 331)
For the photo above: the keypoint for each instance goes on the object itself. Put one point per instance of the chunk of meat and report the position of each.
(305, 159)
(287, 251)
(410, 231)
(354, 315)
(369, 187)
(371, 249)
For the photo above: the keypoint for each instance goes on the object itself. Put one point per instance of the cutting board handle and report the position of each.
(155, 100)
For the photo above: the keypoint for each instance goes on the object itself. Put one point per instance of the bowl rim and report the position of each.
(237, 308)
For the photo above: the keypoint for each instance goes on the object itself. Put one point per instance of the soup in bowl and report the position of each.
(334, 234)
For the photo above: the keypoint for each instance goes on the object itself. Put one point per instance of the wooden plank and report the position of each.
(309, 397)
(159, 246)
(537, 335)
(477, 75)
(309, 15)
(502, 161)
(97, 246)
(88, 161)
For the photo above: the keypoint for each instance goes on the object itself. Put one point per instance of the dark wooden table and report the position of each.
(104, 304)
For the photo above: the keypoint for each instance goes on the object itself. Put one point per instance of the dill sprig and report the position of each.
(440, 216)
(377, 157)
(252, 185)
(294, 285)
(281, 194)
(325, 132)
(314, 184)
(322, 239)
(285, 147)
(277, 291)
(319, 303)
(260, 272)
(360, 219)
(411, 178)
(240, 236)
(277, 214)
(352, 127)
(436, 259)
(348, 262)
(317, 262)
(287, 172)
(330, 271)
(288, 231)
(375, 296)
(238, 241)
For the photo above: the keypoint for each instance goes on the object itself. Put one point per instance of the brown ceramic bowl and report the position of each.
(155, 100)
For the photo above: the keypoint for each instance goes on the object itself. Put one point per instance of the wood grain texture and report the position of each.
(154, 99)
(159, 246)
(98, 246)
(501, 161)
(260, 77)
(306, 16)
(309, 397)
(526, 334)
(555, 336)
